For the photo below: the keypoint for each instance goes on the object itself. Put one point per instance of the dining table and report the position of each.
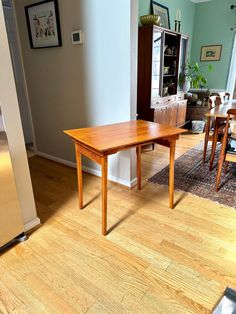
(98, 142)
(218, 114)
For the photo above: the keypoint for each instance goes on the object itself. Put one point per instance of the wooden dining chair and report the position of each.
(217, 127)
(224, 96)
(216, 137)
(214, 101)
(226, 155)
(214, 134)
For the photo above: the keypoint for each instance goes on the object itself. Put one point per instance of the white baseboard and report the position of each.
(133, 182)
(98, 173)
(59, 160)
(95, 172)
(32, 224)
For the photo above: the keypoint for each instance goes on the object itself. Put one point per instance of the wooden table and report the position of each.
(98, 142)
(218, 113)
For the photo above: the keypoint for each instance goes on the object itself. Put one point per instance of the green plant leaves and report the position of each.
(210, 67)
(192, 73)
(196, 67)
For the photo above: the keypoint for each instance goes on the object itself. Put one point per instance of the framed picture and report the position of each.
(211, 53)
(163, 11)
(43, 24)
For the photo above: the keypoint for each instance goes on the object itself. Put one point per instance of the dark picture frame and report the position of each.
(163, 11)
(211, 53)
(43, 24)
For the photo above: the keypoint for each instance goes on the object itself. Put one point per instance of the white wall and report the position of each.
(111, 68)
(133, 71)
(83, 85)
(10, 110)
(18, 72)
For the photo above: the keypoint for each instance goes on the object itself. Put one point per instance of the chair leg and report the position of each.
(223, 155)
(214, 143)
(219, 170)
(208, 125)
(226, 167)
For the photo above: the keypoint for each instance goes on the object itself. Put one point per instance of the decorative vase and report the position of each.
(186, 85)
(198, 126)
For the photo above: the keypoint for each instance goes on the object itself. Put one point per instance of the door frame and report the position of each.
(12, 7)
(231, 81)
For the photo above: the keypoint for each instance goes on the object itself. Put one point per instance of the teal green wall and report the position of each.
(207, 23)
(213, 20)
(187, 9)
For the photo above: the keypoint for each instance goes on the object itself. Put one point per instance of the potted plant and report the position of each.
(192, 78)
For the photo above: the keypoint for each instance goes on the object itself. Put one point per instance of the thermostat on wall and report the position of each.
(77, 37)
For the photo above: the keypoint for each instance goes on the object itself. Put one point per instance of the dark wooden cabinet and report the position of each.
(160, 115)
(181, 117)
(161, 60)
(172, 114)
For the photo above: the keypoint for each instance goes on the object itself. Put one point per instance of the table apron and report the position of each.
(166, 141)
(88, 152)
(98, 156)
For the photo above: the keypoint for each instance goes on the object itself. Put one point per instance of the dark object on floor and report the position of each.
(227, 304)
(194, 177)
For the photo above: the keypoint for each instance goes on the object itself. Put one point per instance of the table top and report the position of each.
(121, 135)
(221, 111)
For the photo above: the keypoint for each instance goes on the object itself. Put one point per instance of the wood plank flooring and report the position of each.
(154, 260)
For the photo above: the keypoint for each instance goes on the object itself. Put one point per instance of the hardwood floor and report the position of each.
(154, 260)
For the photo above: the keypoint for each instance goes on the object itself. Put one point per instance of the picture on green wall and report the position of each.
(43, 24)
(163, 12)
(211, 53)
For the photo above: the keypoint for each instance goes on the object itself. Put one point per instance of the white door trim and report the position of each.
(12, 6)
(232, 70)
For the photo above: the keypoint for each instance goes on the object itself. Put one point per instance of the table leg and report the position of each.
(214, 143)
(139, 176)
(79, 176)
(171, 174)
(208, 125)
(104, 195)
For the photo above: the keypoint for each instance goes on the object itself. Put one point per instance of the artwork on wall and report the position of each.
(163, 12)
(43, 24)
(211, 53)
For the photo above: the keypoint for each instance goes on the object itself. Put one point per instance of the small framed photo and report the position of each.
(77, 37)
(163, 11)
(43, 24)
(211, 53)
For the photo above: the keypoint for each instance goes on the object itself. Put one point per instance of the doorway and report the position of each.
(231, 84)
(20, 82)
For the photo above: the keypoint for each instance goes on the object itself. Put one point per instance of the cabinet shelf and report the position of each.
(169, 75)
(170, 56)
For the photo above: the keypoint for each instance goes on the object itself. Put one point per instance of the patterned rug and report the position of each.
(194, 177)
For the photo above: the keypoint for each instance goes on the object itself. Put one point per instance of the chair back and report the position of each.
(215, 101)
(231, 115)
(232, 112)
(224, 95)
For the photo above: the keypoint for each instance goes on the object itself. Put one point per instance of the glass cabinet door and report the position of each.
(182, 61)
(157, 64)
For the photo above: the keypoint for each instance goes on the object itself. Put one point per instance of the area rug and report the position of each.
(194, 177)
